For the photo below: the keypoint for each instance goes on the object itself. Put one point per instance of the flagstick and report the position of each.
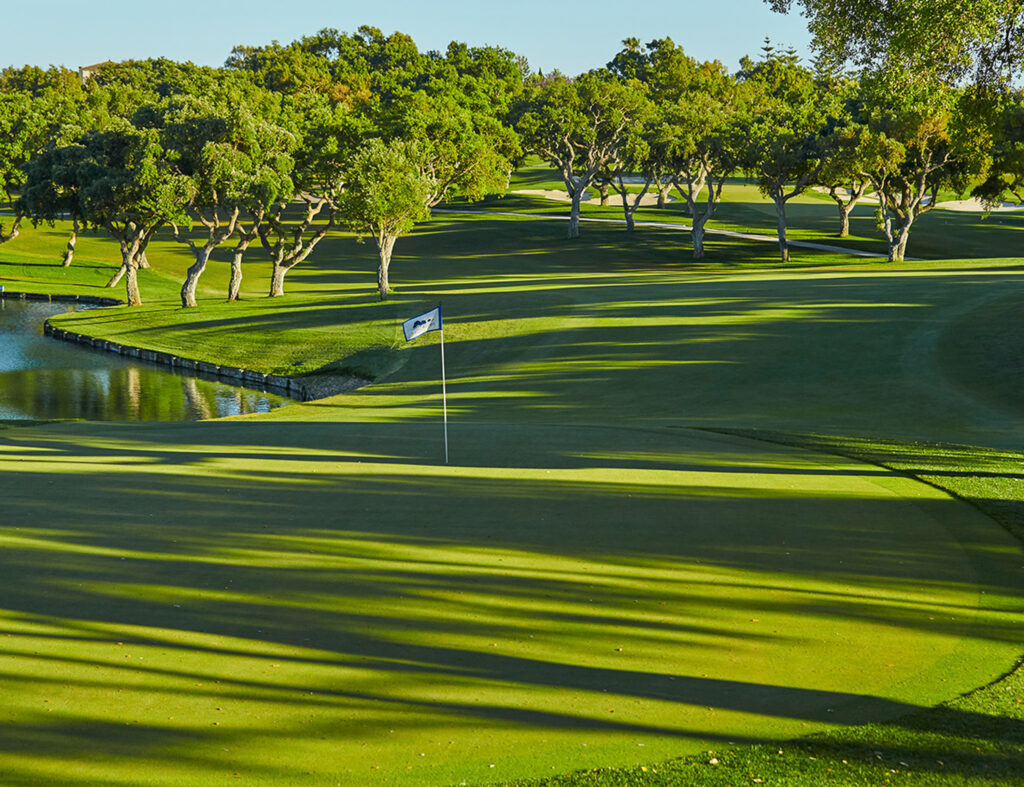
(444, 397)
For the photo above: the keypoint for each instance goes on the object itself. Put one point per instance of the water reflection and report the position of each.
(47, 378)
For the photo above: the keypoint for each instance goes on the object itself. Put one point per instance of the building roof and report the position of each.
(95, 65)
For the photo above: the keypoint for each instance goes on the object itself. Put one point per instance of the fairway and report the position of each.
(603, 576)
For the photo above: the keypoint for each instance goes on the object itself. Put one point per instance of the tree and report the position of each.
(784, 145)
(24, 126)
(46, 110)
(694, 138)
(131, 188)
(361, 70)
(702, 144)
(283, 69)
(154, 79)
(291, 241)
(270, 150)
(327, 134)
(230, 142)
(946, 39)
(1004, 179)
(37, 81)
(579, 125)
(227, 153)
(634, 156)
(206, 152)
(53, 190)
(387, 192)
(490, 78)
(466, 153)
(454, 104)
(646, 63)
(843, 169)
(350, 87)
(926, 140)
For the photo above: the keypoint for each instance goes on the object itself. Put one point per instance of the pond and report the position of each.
(42, 378)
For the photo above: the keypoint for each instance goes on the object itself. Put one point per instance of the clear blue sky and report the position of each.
(570, 36)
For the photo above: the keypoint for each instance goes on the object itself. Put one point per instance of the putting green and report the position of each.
(326, 604)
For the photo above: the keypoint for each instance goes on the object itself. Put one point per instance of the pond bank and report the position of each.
(286, 386)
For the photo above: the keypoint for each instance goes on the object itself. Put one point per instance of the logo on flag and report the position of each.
(417, 326)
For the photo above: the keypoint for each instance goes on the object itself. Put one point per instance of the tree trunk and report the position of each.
(780, 209)
(574, 214)
(630, 224)
(143, 260)
(4, 238)
(188, 289)
(117, 276)
(663, 190)
(132, 283)
(697, 234)
(602, 189)
(697, 226)
(629, 208)
(385, 245)
(901, 249)
(894, 250)
(277, 279)
(235, 284)
(701, 218)
(898, 243)
(69, 252)
(291, 246)
(844, 220)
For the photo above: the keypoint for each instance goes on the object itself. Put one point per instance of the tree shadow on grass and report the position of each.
(307, 577)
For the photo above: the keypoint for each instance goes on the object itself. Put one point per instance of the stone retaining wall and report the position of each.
(246, 378)
(36, 296)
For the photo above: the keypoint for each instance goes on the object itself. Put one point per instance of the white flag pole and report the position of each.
(444, 396)
(417, 326)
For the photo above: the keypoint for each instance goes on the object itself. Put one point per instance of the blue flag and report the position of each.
(417, 326)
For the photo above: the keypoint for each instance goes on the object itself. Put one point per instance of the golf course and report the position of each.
(694, 513)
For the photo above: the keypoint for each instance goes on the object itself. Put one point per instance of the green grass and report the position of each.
(977, 738)
(938, 234)
(596, 581)
(261, 601)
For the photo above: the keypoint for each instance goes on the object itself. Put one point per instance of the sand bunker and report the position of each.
(650, 198)
(845, 194)
(975, 205)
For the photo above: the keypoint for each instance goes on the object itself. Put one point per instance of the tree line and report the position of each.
(363, 131)
(278, 147)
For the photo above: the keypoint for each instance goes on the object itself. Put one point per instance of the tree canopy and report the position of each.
(951, 38)
(288, 142)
